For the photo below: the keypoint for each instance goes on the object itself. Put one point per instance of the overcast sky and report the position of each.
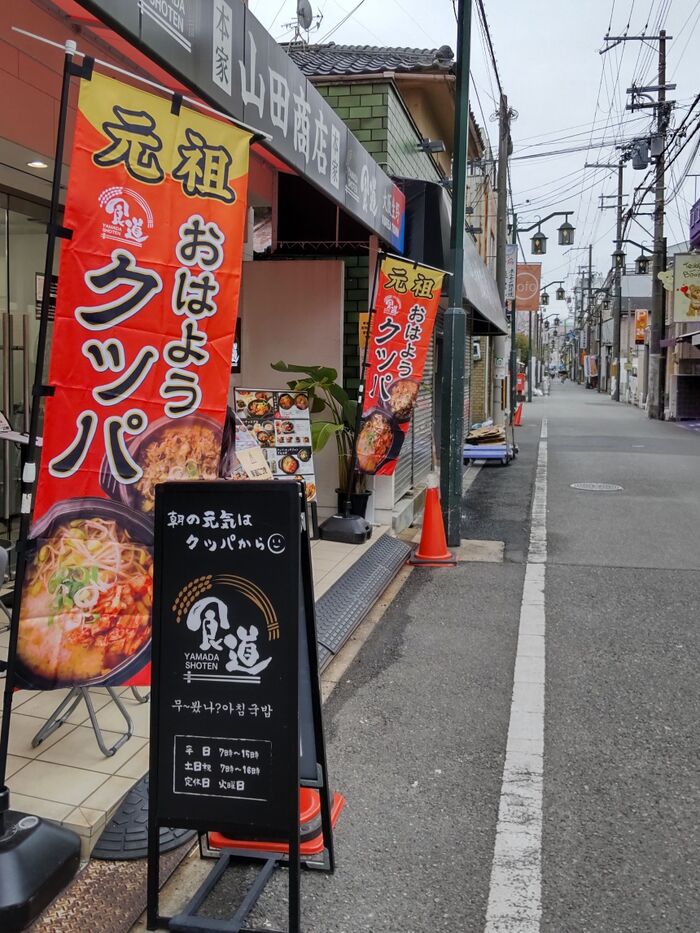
(565, 92)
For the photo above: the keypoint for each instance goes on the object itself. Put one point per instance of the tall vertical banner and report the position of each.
(511, 265)
(143, 335)
(641, 322)
(405, 306)
(527, 286)
(686, 288)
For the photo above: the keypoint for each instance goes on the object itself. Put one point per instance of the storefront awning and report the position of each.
(428, 212)
(693, 338)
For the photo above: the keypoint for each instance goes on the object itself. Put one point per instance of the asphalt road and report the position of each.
(417, 730)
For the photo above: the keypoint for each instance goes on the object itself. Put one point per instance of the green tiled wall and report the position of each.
(375, 115)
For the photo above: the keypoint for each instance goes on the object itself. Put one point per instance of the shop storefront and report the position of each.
(315, 197)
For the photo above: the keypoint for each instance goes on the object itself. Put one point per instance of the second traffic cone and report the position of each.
(432, 549)
(518, 417)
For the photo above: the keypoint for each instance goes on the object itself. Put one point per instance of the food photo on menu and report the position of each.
(280, 422)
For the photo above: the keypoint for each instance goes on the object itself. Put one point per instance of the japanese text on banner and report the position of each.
(145, 317)
(402, 326)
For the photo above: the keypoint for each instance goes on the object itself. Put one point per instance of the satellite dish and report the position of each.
(304, 14)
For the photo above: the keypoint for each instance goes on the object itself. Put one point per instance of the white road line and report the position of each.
(515, 893)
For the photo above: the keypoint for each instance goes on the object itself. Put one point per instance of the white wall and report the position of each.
(293, 311)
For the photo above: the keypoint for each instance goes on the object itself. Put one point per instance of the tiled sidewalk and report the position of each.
(67, 778)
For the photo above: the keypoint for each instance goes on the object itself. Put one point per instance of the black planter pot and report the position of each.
(358, 502)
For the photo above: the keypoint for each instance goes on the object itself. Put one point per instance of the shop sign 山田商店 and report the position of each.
(223, 53)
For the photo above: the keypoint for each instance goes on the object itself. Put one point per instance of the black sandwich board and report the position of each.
(236, 707)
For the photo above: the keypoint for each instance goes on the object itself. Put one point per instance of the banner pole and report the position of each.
(38, 391)
(361, 390)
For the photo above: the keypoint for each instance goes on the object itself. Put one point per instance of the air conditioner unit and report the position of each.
(476, 351)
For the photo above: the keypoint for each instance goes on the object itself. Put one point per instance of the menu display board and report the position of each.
(280, 421)
(225, 733)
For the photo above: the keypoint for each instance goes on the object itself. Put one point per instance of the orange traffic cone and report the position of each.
(432, 549)
(518, 417)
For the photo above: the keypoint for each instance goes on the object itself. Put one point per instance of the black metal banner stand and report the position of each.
(39, 857)
(188, 920)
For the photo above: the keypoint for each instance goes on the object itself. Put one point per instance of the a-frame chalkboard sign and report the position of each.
(236, 721)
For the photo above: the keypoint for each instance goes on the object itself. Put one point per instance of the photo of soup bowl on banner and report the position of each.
(379, 440)
(402, 398)
(169, 449)
(88, 591)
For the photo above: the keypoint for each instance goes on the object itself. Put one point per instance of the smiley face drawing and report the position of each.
(276, 544)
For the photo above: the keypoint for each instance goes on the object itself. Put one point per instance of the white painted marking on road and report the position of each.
(515, 893)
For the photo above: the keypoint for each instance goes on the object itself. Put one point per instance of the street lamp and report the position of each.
(618, 258)
(560, 293)
(544, 298)
(538, 240)
(539, 243)
(566, 234)
(641, 263)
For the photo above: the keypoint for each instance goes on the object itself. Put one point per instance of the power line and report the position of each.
(485, 26)
(339, 24)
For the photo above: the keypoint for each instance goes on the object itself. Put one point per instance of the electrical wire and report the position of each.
(485, 26)
(340, 23)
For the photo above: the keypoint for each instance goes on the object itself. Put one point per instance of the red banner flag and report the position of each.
(527, 289)
(143, 334)
(402, 325)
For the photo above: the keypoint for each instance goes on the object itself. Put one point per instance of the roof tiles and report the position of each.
(331, 59)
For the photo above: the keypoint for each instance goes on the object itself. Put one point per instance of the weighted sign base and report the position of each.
(37, 861)
(347, 529)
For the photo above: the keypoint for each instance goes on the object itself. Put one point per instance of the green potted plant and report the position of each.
(328, 398)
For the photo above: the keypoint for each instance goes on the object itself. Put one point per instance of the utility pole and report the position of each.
(655, 370)
(529, 357)
(455, 334)
(657, 373)
(513, 345)
(505, 147)
(617, 272)
(590, 308)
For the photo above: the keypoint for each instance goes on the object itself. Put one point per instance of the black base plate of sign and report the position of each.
(37, 861)
(348, 529)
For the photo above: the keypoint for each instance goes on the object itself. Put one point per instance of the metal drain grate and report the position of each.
(344, 606)
(597, 487)
(126, 834)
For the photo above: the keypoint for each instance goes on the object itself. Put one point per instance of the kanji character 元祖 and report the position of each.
(423, 286)
(203, 169)
(398, 280)
(133, 143)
